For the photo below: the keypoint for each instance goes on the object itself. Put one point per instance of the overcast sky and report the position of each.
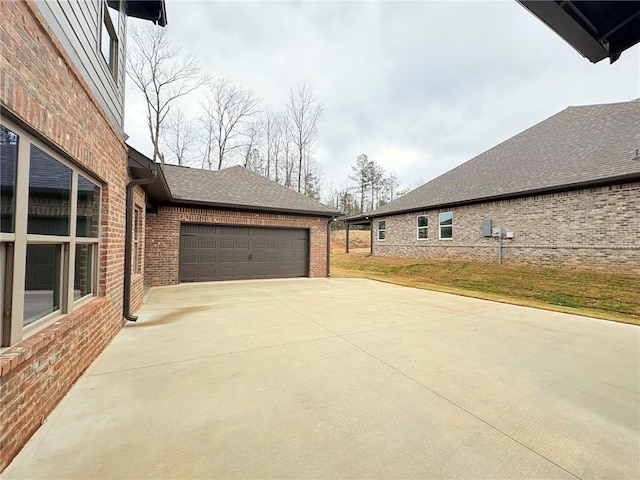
(420, 87)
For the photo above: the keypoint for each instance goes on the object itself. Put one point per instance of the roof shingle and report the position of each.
(578, 146)
(237, 187)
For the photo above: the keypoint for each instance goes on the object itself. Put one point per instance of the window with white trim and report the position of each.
(382, 230)
(109, 34)
(50, 219)
(422, 224)
(445, 221)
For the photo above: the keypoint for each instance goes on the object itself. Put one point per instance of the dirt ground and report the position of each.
(359, 241)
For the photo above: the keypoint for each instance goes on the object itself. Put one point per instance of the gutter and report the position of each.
(177, 201)
(128, 236)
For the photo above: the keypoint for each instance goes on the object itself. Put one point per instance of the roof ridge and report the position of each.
(590, 105)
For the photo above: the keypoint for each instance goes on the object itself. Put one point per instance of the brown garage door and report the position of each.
(224, 252)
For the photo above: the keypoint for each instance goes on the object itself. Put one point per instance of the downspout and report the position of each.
(128, 235)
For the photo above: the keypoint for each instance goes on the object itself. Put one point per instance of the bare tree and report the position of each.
(179, 136)
(304, 112)
(272, 129)
(227, 109)
(252, 158)
(360, 175)
(390, 187)
(162, 73)
(288, 153)
(376, 177)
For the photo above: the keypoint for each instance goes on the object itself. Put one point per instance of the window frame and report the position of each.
(13, 246)
(382, 230)
(424, 227)
(114, 41)
(441, 226)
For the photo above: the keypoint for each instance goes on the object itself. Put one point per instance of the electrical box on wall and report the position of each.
(486, 227)
(510, 235)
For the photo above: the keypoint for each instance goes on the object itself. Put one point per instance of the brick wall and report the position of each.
(41, 86)
(163, 237)
(595, 228)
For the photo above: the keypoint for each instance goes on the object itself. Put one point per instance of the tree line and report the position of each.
(368, 187)
(232, 126)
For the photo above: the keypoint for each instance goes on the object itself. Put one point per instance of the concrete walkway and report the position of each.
(347, 378)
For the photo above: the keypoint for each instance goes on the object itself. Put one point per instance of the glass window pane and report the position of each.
(446, 218)
(8, 166)
(381, 235)
(446, 232)
(105, 43)
(422, 221)
(42, 282)
(83, 278)
(381, 225)
(422, 233)
(49, 195)
(87, 222)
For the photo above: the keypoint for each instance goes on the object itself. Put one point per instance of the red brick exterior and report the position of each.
(163, 237)
(137, 278)
(41, 86)
(596, 228)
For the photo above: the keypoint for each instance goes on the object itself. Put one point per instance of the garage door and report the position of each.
(222, 252)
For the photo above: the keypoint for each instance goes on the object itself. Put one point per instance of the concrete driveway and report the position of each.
(347, 378)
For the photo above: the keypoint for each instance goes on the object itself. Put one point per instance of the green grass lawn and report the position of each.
(611, 296)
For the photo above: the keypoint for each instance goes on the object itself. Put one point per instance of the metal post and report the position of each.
(347, 241)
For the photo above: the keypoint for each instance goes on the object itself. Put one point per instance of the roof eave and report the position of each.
(583, 29)
(552, 15)
(152, 10)
(140, 166)
(633, 177)
(252, 208)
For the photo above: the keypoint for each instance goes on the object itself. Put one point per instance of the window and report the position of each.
(137, 226)
(446, 226)
(382, 230)
(49, 238)
(9, 160)
(109, 35)
(423, 227)
(43, 276)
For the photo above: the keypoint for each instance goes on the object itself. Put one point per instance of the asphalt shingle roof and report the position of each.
(580, 145)
(237, 187)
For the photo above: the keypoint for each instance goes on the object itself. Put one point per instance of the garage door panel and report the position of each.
(225, 257)
(206, 242)
(223, 252)
(190, 257)
(207, 257)
(189, 273)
